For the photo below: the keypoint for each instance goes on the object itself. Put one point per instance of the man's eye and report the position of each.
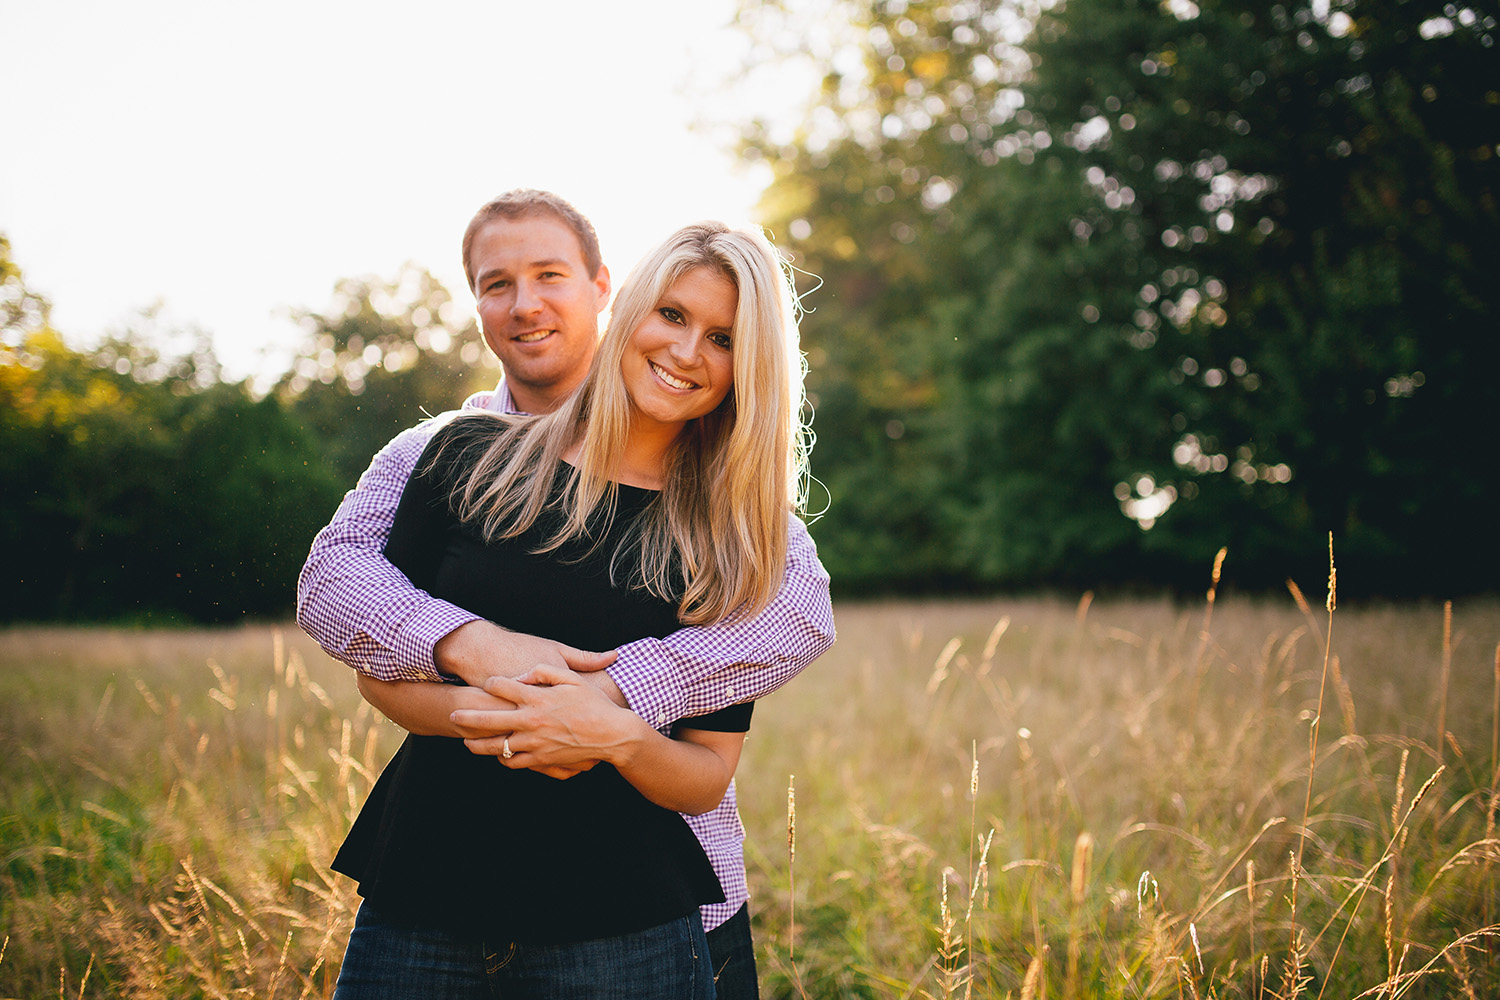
(721, 340)
(670, 315)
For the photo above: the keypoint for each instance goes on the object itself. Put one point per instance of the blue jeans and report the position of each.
(390, 959)
(733, 956)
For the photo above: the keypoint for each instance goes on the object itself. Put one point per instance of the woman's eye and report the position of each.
(721, 340)
(670, 315)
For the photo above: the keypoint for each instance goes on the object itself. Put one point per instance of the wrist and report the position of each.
(600, 681)
(460, 653)
(632, 740)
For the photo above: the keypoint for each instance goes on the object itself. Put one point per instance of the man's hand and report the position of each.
(561, 724)
(478, 650)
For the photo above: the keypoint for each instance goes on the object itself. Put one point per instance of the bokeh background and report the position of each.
(1093, 289)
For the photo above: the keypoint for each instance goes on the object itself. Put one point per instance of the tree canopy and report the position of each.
(1111, 284)
(140, 486)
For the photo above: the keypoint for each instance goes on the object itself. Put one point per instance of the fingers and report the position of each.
(508, 688)
(531, 762)
(481, 724)
(490, 746)
(543, 675)
(496, 746)
(585, 661)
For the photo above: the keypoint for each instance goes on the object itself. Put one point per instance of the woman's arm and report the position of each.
(426, 709)
(689, 774)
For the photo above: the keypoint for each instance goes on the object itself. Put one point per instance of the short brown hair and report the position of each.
(529, 201)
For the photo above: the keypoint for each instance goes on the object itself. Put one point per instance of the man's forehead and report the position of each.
(534, 240)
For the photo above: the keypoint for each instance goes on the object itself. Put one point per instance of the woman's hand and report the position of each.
(559, 725)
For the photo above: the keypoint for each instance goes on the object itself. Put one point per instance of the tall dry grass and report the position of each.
(1036, 798)
(170, 802)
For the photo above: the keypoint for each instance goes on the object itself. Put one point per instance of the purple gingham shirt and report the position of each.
(364, 611)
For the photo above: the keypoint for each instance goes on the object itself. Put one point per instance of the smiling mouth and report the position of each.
(533, 336)
(671, 379)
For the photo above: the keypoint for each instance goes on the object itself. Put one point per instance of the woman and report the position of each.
(657, 495)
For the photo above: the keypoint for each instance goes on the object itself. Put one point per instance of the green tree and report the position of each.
(1119, 282)
(384, 354)
(141, 486)
(138, 484)
(140, 499)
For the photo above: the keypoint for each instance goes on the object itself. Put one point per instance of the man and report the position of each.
(534, 266)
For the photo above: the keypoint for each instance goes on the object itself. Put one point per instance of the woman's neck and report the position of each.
(643, 463)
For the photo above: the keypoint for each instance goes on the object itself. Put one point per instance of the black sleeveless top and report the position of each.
(456, 839)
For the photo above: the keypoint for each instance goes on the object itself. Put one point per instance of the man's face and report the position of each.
(538, 305)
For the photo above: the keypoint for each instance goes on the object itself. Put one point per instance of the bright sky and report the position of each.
(233, 160)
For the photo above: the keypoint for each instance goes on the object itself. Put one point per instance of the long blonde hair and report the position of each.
(715, 537)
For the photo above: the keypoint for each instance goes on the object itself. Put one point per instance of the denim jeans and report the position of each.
(733, 956)
(390, 959)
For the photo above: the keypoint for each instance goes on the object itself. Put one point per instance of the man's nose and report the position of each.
(527, 301)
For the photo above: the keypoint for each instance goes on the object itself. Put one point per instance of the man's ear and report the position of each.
(601, 282)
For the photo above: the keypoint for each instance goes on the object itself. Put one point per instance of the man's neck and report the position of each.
(537, 399)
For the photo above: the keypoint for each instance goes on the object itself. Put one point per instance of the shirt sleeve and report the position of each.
(734, 719)
(700, 669)
(360, 608)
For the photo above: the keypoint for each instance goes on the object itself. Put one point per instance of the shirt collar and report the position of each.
(496, 400)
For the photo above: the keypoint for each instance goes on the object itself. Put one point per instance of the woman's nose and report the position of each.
(685, 349)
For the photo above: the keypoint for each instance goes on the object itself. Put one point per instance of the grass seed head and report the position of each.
(1333, 578)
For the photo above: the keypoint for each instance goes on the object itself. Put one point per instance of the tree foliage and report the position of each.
(382, 355)
(138, 499)
(141, 486)
(1112, 283)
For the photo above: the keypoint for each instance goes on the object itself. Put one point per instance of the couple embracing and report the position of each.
(570, 592)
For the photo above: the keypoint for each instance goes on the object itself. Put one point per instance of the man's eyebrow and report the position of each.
(549, 263)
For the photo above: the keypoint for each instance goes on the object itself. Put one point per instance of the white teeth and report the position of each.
(672, 380)
(533, 336)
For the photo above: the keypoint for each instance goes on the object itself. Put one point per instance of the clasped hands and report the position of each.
(554, 702)
(556, 723)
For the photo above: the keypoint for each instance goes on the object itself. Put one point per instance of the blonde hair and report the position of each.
(715, 538)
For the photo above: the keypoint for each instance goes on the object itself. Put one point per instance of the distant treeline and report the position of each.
(1105, 287)
(141, 487)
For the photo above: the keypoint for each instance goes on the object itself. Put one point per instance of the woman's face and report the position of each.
(679, 363)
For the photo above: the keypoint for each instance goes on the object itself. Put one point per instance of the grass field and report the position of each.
(1038, 798)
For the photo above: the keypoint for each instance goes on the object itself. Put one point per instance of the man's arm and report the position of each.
(698, 670)
(360, 608)
(689, 673)
(364, 611)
